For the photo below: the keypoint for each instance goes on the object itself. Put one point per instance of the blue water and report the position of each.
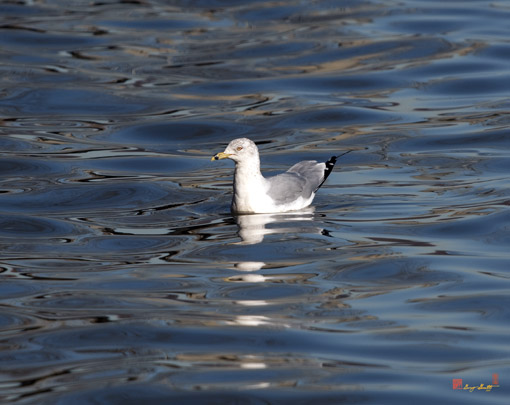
(125, 279)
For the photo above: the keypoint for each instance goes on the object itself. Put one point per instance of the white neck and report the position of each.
(250, 186)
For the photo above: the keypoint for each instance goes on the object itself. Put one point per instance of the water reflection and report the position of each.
(122, 276)
(252, 227)
(249, 266)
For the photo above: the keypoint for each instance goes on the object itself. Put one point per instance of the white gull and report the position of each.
(289, 191)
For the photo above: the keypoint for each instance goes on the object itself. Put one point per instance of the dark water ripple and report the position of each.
(123, 276)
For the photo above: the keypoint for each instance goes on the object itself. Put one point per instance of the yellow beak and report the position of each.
(221, 155)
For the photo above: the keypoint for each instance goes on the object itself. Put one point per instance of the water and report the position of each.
(124, 278)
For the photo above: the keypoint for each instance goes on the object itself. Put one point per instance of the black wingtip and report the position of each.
(330, 164)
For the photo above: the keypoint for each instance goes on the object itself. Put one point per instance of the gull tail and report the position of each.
(329, 167)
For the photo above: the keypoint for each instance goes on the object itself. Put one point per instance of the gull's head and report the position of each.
(239, 150)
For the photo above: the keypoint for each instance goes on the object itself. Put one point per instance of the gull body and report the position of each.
(254, 194)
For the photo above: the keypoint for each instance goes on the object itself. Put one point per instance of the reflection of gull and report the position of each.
(256, 320)
(253, 193)
(249, 266)
(252, 227)
(250, 320)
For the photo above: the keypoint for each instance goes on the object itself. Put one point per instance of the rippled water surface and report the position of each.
(125, 279)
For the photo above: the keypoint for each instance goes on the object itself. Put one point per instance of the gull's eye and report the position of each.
(239, 148)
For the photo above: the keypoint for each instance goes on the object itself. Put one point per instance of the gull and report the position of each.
(288, 191)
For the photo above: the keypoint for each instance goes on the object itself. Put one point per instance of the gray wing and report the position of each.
(301, 180)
